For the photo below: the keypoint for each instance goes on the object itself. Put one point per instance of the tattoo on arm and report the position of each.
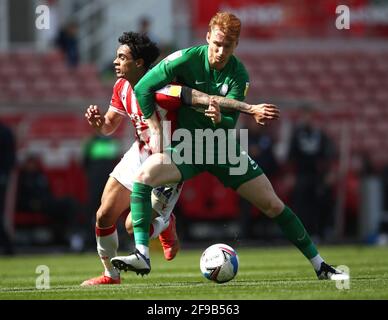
(201, 100)
(194, 97)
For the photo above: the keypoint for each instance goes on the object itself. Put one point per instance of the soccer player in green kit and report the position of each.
(215, 70)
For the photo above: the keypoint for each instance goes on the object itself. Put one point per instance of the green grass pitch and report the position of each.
(264, 273)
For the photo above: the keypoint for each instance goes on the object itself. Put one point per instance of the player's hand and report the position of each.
(94, 117)
(213, 111)
(265, 112)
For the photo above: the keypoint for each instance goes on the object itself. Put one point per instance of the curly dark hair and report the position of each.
(141, 47)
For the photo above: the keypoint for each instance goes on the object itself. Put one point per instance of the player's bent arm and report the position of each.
(261, 112)
(200, 99)
(110, 123)
(159, 76)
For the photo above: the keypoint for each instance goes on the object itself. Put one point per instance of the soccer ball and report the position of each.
(219, 263)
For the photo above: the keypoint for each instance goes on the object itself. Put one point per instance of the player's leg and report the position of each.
(158, 224)
(261, 194)
(164, 200)
(169, 239)
(157, 170)
(163, 223)
(115, 199)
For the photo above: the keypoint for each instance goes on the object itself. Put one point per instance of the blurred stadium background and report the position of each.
(296, 57)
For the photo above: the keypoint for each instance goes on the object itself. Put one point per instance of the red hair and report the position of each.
(228, 23)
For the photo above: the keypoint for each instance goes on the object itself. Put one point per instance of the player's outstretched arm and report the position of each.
(106, 124)
(261, 112)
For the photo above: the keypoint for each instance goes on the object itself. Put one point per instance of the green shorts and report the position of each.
(231, 175)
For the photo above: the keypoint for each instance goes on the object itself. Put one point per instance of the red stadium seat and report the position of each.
(59, 126)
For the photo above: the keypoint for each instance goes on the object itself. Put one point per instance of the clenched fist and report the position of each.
(94, 117)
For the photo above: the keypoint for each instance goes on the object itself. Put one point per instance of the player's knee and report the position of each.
(148, 176)
(273, 207)
(144, 177)
(104, 217)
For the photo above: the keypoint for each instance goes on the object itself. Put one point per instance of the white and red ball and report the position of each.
(219, 263)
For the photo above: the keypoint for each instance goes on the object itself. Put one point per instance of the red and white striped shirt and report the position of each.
(125, 103)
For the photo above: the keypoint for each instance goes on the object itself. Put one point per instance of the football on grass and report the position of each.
(219, 263)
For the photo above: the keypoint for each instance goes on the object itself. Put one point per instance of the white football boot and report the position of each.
(135, 262)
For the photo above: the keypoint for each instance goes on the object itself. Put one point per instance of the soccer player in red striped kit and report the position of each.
(134, 56)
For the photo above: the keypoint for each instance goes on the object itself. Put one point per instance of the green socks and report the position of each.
(141, 208)
(294, 230)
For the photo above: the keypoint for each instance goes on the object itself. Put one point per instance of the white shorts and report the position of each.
(163, 198)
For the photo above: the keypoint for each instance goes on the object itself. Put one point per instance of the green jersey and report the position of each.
(191, 68)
